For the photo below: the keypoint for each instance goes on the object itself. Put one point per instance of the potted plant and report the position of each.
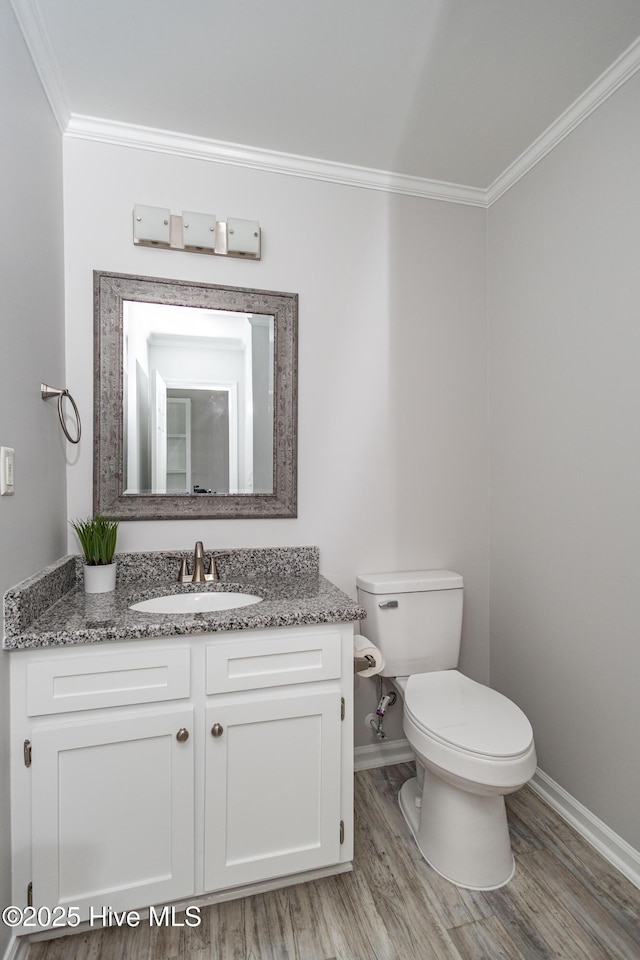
(97, 537)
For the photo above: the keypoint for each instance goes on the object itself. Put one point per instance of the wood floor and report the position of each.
(565, 902)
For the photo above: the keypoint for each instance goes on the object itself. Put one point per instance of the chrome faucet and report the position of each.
(199, 575)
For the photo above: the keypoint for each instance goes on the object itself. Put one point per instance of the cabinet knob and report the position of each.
(182, 735)
(217, 730)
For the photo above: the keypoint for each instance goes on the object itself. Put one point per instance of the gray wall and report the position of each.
(564, 375)
(33, 521)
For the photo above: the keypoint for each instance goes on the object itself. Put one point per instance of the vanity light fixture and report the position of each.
(199, 231)
(152, 226)
(243, 238)
(195, 232)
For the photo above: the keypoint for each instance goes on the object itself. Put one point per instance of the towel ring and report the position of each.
(47, 393)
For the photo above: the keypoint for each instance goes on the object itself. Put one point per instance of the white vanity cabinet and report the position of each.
(103, 775)
(273, 757)
(155, 771)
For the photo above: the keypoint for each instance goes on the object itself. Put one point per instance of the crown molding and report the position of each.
(93, 128)
(607, 83)
(164, 141)
(39, 46)
(256, 158)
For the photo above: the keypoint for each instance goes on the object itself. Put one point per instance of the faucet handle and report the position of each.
(182, 573)
(213, 570)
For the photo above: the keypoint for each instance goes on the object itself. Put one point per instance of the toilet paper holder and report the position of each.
(363, 663)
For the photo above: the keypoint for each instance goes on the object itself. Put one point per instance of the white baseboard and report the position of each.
(611, 846)
(17, 949)
(382, 754)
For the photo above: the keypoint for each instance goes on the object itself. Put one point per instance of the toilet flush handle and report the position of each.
(388, 604)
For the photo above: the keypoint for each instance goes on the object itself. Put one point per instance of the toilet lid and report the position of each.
(465, 715)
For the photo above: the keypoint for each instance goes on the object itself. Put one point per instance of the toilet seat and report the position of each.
(465, 715)
(466, 732)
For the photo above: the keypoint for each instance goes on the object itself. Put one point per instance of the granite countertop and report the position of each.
(52, 609)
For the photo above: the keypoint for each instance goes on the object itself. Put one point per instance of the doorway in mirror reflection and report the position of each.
(197, 400)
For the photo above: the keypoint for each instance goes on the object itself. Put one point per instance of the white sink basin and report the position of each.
(195, 602)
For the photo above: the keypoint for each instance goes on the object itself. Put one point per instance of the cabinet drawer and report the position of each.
(272, 662)
(89, 681)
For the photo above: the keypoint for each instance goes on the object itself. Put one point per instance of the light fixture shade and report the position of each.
(199, 230)
(243, 238)
(151, 226)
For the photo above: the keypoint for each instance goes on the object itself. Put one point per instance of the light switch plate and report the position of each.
(7, 480)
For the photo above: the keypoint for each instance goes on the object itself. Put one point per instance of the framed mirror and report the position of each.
(195, 400)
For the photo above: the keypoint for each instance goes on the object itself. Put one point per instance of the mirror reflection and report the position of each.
(197, 400)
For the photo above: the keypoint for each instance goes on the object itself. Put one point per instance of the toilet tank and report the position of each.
(414, 617)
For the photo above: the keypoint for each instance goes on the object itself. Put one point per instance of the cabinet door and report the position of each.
(272, 802)
(112, 811)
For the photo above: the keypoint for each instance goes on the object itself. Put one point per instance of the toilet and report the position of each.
(472, 745)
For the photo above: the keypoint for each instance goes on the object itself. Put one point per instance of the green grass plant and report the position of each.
(97, 537)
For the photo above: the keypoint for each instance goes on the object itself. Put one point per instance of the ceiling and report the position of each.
(445, 90)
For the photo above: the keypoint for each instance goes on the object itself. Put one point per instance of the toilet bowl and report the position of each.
(472, 746)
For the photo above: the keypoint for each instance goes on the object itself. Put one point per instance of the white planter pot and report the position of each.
(100, 579)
